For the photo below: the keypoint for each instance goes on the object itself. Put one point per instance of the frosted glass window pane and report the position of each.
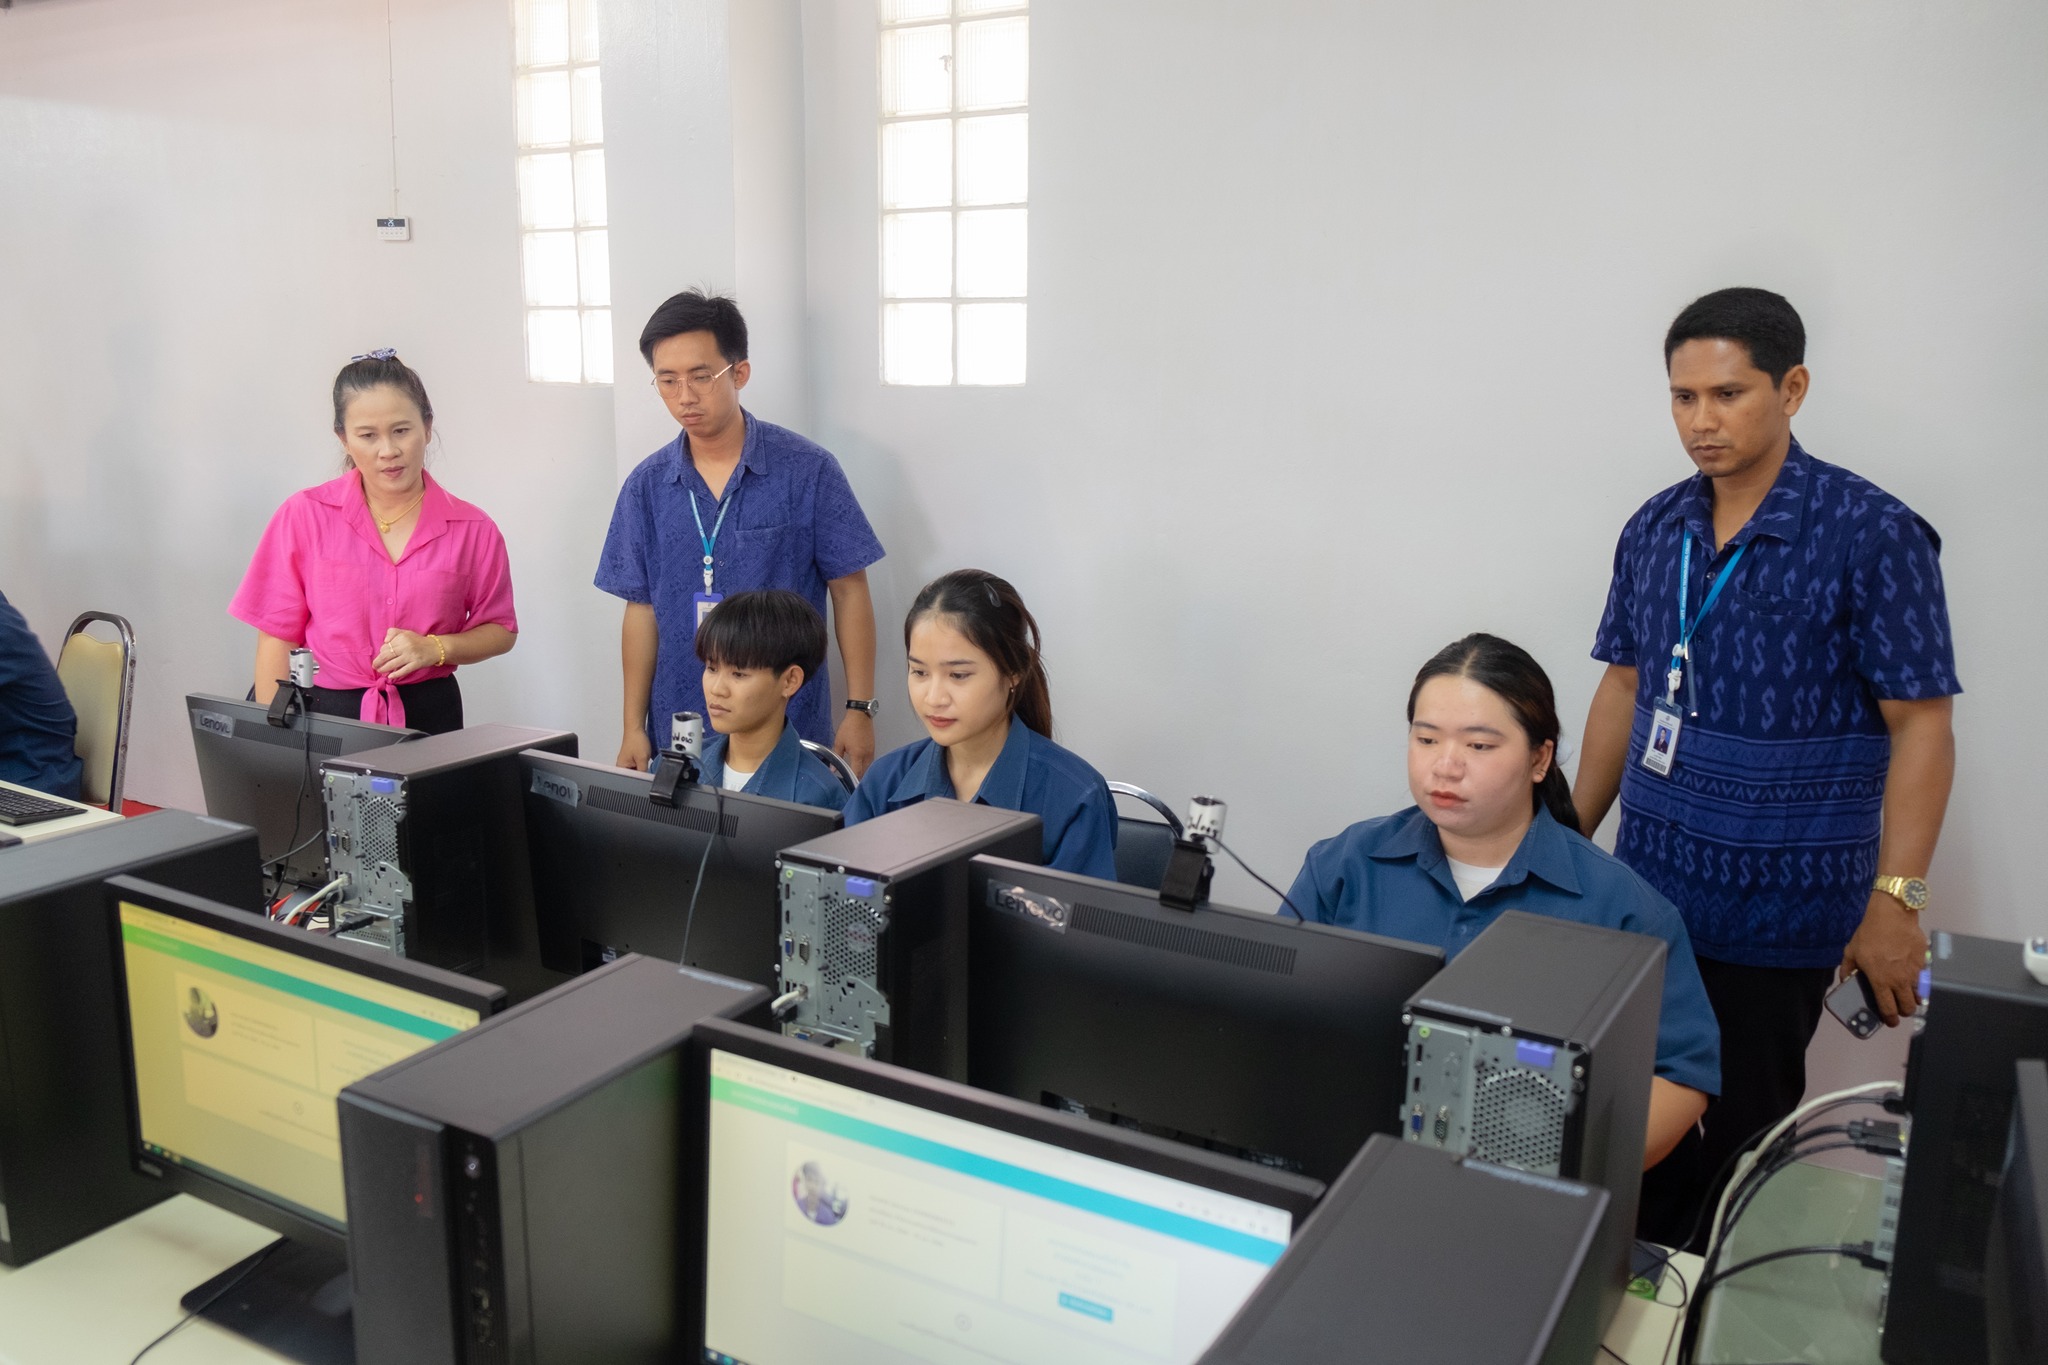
(554, 346)
(544, 36)
(586, 96)
(590, 189)
(597, 346)
(992, 253)
(995, 63)
(583, 30)
(991, 343)
(984, 6)
(917, 343)
(916, 75)
(917, 164)
(917, 255)
(896, 11)
(594, 262)
(995, 159)
(546, 199)
(544, 108)
(550, 269)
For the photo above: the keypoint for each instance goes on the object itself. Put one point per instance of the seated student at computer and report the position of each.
(390, 581)
(758, 649)
(978, 684)
(1493, 829)
(38, 729)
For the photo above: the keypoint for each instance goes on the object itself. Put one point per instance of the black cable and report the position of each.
(258, 1259)
(1299, 917)
(299, 801)
(703, 861)
(1858, 1251)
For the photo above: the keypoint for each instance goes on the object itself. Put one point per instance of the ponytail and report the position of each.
(993, 617)
(1510, 673)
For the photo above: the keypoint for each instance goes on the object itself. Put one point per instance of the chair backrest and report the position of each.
(99, 678)
(1143, 845)
(833, 761)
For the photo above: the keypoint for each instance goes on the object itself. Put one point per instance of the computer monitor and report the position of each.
(268, 778)
(2016, 1260)
(614, 873)
(237, 1033)
(854, 1211)
(1244, 1032)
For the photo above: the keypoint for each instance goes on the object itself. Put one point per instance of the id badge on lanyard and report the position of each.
(1667, 718)
(703, 602)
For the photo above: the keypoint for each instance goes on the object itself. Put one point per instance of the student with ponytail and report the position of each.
(978, 684)
(1493, 829)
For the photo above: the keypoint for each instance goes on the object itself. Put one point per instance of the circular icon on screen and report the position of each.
(817, 1198)
(202, 1016)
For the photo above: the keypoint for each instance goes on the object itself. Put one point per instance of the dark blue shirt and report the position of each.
(38, 730)
(788, 774)
(1765, 833)
(1390, 876)
(793, 523)
(1031, 774)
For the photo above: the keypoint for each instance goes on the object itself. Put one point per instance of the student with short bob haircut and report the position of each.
(758, 650)
(977, 681)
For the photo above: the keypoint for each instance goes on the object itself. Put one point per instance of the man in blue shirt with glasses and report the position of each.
(1775, 718)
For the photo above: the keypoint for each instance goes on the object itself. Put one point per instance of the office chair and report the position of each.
(1143, 846)
(99, 678)
(833, 761)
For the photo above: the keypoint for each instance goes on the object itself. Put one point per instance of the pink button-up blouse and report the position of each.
(321, 577)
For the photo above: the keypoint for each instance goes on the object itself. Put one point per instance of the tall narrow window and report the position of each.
(567, 261)
(956, 77)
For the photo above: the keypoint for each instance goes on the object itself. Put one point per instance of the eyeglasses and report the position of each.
(696, 381)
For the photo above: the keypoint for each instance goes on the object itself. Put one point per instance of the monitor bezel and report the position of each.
(1296, 1194)
(287, 1221)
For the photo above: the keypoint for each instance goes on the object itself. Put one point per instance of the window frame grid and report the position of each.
(954, 18)
(574, 145)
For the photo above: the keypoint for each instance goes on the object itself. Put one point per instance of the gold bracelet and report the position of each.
(441, 662)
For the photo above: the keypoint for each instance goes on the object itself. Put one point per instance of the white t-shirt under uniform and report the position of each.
(736, 781)
(1471, 880)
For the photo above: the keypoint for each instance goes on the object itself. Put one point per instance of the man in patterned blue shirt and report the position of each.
(731, 505)
(1775, 718)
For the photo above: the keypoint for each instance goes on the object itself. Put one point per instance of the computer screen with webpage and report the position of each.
(240, 1049)
(849, 1227)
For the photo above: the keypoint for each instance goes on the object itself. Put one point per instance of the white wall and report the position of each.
(1345, 327)
(1344, 336)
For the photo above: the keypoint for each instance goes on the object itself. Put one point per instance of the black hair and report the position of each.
(1764, 323)
(771, 628)
(374, 371)
(989, 612)
(695, 311)
(1507, 670)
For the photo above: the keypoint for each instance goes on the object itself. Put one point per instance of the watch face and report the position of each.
(1915, 894)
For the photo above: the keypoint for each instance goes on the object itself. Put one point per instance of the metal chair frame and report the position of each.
(117, 780)
(1140, 794)
(840, 769)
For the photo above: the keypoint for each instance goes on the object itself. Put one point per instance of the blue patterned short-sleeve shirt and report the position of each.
(1765, 833)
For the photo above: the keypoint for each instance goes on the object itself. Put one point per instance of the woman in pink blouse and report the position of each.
(388, 579)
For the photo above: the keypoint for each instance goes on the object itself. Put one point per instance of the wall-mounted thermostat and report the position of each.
(394, 229)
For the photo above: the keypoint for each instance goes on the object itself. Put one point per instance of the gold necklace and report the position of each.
(383, 526)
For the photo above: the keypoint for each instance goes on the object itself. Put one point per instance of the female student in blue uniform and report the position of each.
(758, 650)
(978, 684)
(1493, 829)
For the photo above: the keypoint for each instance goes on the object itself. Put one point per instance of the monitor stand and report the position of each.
(296, 1303)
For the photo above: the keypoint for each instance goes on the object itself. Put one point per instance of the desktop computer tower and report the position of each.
(64, 1166)
(1534, 1049)
(432, 838)
(874, 930)
(1984, 1012)
(1416, 1254)
(512, 1191)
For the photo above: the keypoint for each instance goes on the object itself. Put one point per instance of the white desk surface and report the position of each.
(103, 1299)
(87, 817)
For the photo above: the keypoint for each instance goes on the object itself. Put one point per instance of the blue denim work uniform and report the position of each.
(791, 521)
(1390, 876)
(788, 774)
(1031, 774)
(38, 729)
(1765, 833)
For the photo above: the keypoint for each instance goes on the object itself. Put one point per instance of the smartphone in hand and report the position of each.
(1853, 1003)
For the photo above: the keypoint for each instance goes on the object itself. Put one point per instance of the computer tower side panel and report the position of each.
(400, 1203)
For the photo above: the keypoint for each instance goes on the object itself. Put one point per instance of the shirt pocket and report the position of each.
(763, 557)
(1790, 610)
(434, 603)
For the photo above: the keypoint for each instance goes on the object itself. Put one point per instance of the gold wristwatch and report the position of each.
(1910, 892)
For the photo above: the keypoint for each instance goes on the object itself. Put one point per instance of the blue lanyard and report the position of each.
(710, 541)
(1681, 653)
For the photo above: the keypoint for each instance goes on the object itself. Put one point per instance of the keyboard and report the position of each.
(19, 808)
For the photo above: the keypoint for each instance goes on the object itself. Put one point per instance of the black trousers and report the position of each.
(432, 707)
(1767, 1017)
